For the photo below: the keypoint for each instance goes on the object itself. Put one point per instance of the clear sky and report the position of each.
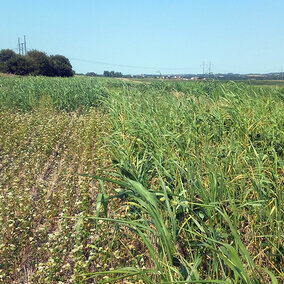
(150, 36)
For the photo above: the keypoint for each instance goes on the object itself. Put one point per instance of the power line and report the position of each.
(132, 66)
(22, 49)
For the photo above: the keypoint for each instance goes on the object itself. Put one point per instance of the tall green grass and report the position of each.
(203, 165)
(197, 168)
(63, 94)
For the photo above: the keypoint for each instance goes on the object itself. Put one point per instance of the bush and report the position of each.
(61, 66)
(92, 74)
(112, 74)
(35, 63)
(5, 56)
(19, 65)
(41, 63)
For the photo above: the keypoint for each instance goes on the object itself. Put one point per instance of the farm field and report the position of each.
(103, 180)
(268, 83)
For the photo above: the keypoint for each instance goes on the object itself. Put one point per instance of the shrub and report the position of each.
(41, 63)
(19, 65)
(5, 56)
(61, 66)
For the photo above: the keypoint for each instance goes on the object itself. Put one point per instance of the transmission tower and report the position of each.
(22, 46)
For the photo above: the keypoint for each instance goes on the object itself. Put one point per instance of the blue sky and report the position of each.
(150, 36)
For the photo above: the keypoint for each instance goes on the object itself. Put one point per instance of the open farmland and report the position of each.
(106, 180)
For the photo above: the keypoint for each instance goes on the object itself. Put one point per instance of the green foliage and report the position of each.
(210, 154)
(112, 74)
(5, 56)
(3, 68)
(61, 66)
(19, 65)
(68, 94)
(92, 74)
(190, 191)
(35, 63)
(41, 63)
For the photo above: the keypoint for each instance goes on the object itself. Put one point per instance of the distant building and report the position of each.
(194, 78)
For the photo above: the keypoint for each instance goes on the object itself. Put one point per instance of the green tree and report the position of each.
(117, 74)
(3, 68)
(106, 73)
(5, 56)
(112, 74)
(61, 66)
(91, 74)
(19, 65)
(41, 63)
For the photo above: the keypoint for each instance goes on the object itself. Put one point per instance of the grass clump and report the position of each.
(214, 162)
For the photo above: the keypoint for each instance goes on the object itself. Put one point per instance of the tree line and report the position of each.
(105, 74)
(35, 63)
(112, 74)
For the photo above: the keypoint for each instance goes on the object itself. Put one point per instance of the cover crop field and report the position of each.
(104, 181)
